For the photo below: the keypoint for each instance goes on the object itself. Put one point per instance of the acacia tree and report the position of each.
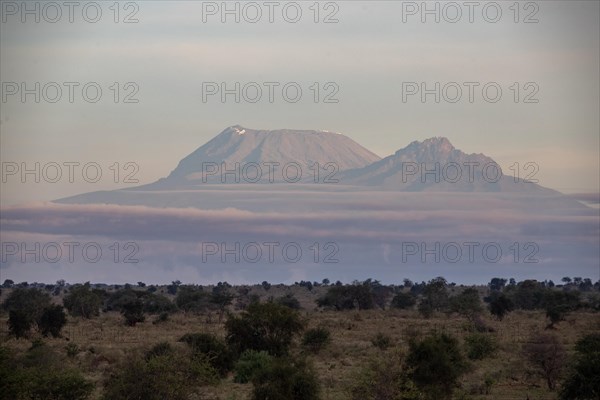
(263, 326)
(83, 302)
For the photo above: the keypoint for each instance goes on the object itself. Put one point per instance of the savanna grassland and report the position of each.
(363, 343)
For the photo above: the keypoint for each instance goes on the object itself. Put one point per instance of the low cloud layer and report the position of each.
(472, 239)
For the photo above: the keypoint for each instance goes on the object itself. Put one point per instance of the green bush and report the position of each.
(83, 302)
(40, 374)
(213, 348)
(286, 379)
(194, 299)
(436, 364)
(479, 346)
(384, 378)
(249, 363)
(162, 375)
(316, 339)
(263, 326)
(133, 312)
(583, 380)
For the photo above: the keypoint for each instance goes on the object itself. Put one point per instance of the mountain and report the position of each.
(358, 173)
(271, 151)
(436, 165)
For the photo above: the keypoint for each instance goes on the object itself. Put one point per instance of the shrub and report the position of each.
(436, 364)
(249, 363)
(194, 299)
(83, 302)
(316, 339)
(133, 312)
(583, 381)
(479, 346)
(382, 341)
(403, 301)
(72, 350)
(384, 378)
(162, 375)
(289, 301)
(500, 305)
(215, 350)
(163, 317)
(40, 374)
(159, 349)
(286, 379)
(467, 304)
(263, 326)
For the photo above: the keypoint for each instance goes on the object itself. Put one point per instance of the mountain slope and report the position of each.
(436, 165)
(268, 149)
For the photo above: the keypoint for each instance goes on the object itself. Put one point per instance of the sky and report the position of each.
(168, 52)
(111, 95)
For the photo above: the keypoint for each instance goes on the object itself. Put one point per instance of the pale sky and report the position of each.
(368, 54)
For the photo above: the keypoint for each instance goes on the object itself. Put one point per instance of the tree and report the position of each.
(435, 297)
(467, 303)
(547, 354)
(348, 297)
(8, 283)
(497, 284)
(559, 304)
(583, 381)
(25, 307)
(263, 326)
(133, 312)
(500, 305)
(52, 320)
(403, 301)
(436, 364)
(222, 298)
(83, 302)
